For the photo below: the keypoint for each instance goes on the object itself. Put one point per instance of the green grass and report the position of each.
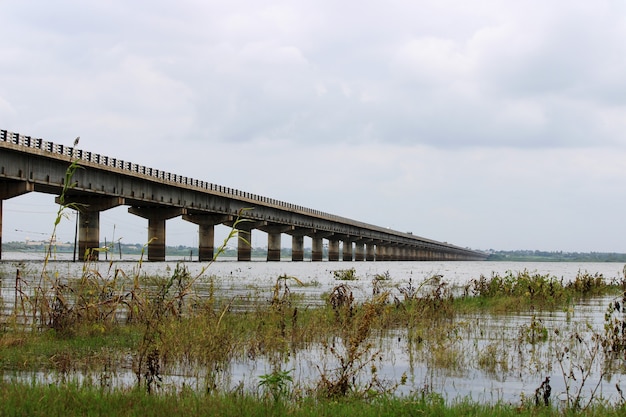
(18, 399)
(27, 351)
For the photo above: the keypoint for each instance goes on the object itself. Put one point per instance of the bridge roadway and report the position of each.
(33, 165)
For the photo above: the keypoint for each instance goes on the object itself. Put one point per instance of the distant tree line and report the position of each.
(556, 256)
(259, 252)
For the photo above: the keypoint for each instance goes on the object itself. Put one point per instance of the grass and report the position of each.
(20, 399)
(524, 290)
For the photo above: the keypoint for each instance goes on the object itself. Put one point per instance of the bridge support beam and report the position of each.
(359, 251)
(244, 239)
(89, 209)
(396, 253)
(156, 227)
(333, 250)
(348, 253)
(317, 249)
(297, 248)
(274, 232)
(206, 232)
(273, 246)
(317, 245)
(10, 190)
(370, 252)
(297, 243)
(381, 252)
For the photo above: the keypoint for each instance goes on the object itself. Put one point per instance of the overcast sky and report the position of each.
(487, 124)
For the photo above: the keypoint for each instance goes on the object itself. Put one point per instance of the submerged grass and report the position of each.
(524, 290)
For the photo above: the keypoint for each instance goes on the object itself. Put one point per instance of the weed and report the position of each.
(345, 274)
(534, 332)
(615, 328)
(276, 384)
(542, 393)
(354, 354)
(342, 301)
(577, 360)
(494, 359)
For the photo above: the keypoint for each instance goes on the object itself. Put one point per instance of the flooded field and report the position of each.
(392, 328)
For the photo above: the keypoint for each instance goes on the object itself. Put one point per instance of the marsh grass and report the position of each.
(524, 290)
(73, 399)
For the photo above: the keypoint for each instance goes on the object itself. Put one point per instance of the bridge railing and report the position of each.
(103, 160)
(58, 149)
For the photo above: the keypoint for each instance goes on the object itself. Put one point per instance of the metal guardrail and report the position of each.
(71, 152)
(132, 168)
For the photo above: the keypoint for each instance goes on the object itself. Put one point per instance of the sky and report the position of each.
(490, 124)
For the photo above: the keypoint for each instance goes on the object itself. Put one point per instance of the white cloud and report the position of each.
(487, 123)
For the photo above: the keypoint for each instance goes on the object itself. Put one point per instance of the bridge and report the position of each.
(30, 164)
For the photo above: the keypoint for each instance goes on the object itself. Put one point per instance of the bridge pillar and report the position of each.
(88, 235)
(333, 250)
(388, 253)
(317, 249)
(359, 251)
(297, 248)
(89, 209)
(380, 252)
(347, 254)
(156, 227)
(370, 252)
(10, 190)
(274, 232)
(244, 243)
(206, 232)
(392, 253)
(297, 242)
(273, 246)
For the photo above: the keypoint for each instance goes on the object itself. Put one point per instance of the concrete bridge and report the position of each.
(33, 165)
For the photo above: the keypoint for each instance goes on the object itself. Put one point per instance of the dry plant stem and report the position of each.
(574, 395)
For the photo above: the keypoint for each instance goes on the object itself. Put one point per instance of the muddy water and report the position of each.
(488, 358)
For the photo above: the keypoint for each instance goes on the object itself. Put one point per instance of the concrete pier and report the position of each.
(274, 235)
(347, 254)
(297, 248)
(206, 232)
(156, 227)
(359, 251)
(89, 209)
(10, 189)
(333, 250)
(317, 249)
(244, 243)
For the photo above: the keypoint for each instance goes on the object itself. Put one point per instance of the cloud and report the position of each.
(486, 122)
